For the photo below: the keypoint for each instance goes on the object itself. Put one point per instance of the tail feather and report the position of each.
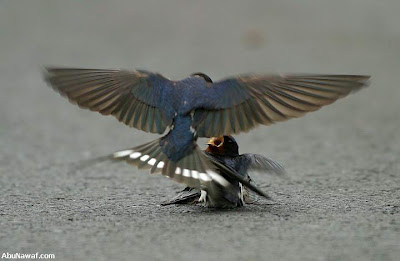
(159, 163)
(152, 152)
(187, 196)
(194, 169)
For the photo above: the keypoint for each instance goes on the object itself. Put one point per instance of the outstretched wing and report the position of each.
(239, 104)
(259, 163)
(133, 97)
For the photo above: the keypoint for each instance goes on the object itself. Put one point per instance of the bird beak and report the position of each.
(216, 141)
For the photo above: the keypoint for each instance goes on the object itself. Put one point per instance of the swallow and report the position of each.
(226, 150)
(195, 107)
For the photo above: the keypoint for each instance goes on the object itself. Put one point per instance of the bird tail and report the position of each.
(194, 169)
(187, 196)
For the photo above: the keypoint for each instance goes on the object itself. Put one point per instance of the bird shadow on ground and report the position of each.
(278, 209)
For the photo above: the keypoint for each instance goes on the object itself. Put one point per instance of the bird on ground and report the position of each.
(195, 107)
(226, 150)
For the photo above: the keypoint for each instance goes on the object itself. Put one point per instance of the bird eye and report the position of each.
(217, 142)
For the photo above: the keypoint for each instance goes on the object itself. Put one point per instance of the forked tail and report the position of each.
(194, 169)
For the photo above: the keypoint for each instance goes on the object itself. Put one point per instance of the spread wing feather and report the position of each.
(244, 102)
(133, 97)
(260, 163)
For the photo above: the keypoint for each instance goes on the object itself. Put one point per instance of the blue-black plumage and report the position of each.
(195, 107)
(226, 150)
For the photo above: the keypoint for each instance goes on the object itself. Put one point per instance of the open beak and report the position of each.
(216, 141)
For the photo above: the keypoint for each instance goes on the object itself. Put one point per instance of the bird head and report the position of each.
(224, 146)
(202, 75)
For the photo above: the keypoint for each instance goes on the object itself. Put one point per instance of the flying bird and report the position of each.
(226, 150)
(195, 107)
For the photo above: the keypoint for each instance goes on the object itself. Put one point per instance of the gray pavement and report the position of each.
(342, 200)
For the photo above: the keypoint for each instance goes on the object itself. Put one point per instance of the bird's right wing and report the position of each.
(238, 104)
(133, 97)
(234, 175)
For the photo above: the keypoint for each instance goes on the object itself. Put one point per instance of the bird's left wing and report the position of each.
(239, 104)
(260, 163)
(133, 97)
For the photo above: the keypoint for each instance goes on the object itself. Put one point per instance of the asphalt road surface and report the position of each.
(341, 202)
